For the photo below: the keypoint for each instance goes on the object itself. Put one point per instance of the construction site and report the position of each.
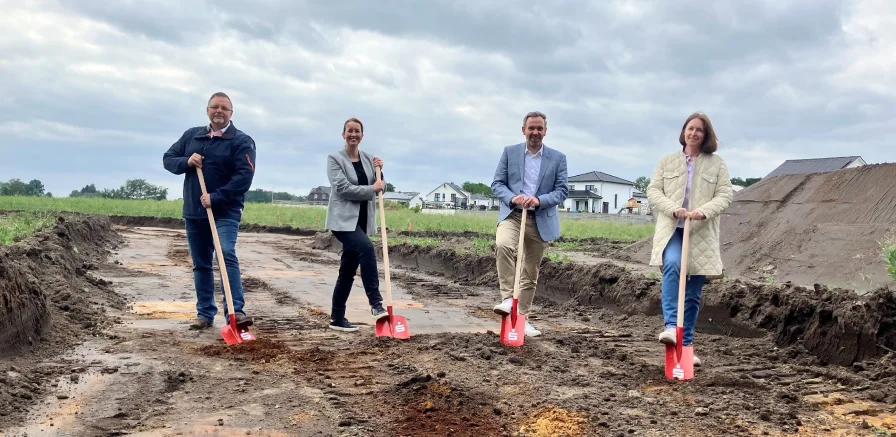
(797, 338)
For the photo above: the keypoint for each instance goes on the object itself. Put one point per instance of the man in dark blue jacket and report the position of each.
(227, 158)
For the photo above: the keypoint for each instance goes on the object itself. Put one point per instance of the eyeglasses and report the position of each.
(223, 108)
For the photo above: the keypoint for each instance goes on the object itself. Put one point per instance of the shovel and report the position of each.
(680, 359)
(513, 326)
(391, 325)
(232, 333)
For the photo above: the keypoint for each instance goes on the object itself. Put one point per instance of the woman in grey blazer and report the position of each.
(351, 216)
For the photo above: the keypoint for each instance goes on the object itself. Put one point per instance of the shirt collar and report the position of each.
(209, 127)
(539, 154)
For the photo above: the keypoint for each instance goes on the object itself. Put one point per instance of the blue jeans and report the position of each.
(202, 249)
(693, 289)
(356, 250)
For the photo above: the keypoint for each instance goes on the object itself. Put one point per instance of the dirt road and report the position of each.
(594, 371)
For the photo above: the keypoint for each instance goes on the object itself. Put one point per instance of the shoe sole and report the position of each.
(380, 316)
(532, 335)
(339, 328)
(667, 341)
(501, 311)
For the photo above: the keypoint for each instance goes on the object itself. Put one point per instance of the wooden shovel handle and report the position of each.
(519, 257)
(379, 176)
(683, 275)
(221, 266)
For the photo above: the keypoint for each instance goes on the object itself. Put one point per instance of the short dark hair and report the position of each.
(220, 94)
(710, 140)
(353, 119)
(535, 114)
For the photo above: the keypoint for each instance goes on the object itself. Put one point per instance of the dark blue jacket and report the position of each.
(228, 168)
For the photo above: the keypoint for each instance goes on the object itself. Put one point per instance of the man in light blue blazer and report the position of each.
(531, 177)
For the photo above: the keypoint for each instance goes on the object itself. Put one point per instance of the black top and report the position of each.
(362, 180)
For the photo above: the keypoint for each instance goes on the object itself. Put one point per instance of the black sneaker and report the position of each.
(378, 312)
(343, 325)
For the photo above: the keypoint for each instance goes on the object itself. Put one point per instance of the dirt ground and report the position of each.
(780, 359)
(820, 228)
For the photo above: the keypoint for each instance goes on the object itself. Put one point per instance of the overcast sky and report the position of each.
(96, 91)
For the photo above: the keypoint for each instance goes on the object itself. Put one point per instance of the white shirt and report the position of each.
(533, 169)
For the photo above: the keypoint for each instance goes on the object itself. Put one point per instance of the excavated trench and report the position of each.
(838, 326)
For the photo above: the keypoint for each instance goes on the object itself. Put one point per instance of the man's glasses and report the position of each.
(223, 108)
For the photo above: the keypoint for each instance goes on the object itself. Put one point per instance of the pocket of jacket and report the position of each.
(709, 178)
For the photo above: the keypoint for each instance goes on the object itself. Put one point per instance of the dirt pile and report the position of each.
(818, 228)
(178, 223)
(50, 300)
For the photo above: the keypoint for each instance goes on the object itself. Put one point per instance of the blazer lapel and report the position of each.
(521, 154)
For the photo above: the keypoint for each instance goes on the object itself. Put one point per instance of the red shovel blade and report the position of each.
(234, 334)
(679, 359)
(513, 327)
(393, 326)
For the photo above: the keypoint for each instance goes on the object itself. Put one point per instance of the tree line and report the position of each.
(17, 187)
(643, 181)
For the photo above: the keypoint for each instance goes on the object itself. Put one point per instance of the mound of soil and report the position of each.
(50, 300)
(812, 228)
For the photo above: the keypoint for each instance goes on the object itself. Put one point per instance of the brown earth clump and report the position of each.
(551, 421)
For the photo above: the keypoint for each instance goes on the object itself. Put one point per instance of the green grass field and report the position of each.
(18, 225)
(313, 217)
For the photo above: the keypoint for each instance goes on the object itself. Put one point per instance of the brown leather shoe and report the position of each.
(200, 323)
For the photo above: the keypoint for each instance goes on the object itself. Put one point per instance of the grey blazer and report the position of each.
(346, 195)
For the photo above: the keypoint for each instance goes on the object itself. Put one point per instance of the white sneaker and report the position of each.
(503, 308)
(668, 336)
(531, 331)
(697, 361)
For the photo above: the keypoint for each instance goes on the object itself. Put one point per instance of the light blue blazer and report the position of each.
(552, 188)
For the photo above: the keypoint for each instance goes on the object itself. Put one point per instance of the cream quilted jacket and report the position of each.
(710, 193)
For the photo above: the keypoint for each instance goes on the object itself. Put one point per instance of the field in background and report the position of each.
(314, 217)
(18, 225)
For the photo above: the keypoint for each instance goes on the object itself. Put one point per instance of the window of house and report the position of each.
(589, 187)
(453, 197)
(572, 187)
(615, 201)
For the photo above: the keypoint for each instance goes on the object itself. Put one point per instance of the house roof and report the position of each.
(476, 196)
(399, 195)
(636, 193)
(599, 176)
(814, 165)
(454, 187)
(321, 189)
(582, 194)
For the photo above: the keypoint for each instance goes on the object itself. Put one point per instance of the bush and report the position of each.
(889, 254)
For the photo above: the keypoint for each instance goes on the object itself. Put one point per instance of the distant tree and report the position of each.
(744, 182)
(137, 189)
(49, 194)
(641, 183)
(259, 195)
(87, 191)
(14, 187)
(477, 188)
(35, 188)
(390, 188)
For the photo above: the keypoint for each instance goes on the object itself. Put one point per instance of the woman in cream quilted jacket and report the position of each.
(694, 183)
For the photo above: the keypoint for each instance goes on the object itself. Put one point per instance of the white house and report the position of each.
(598, 192)
(411, 199)
(480, 201)
(447, 195)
